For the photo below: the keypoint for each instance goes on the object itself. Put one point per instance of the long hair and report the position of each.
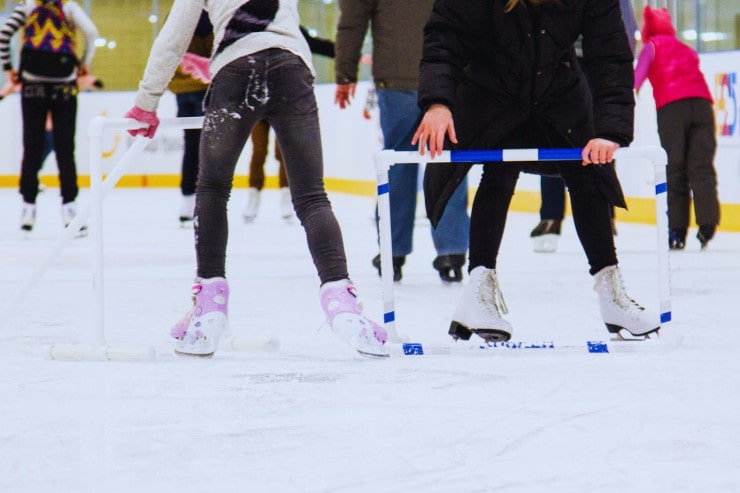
(510, 4)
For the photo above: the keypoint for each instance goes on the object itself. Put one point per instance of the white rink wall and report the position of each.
(350, 141)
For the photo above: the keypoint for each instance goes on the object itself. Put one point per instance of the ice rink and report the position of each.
(656, 416)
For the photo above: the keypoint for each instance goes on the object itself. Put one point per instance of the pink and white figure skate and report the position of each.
(345, 317)
(198, 332)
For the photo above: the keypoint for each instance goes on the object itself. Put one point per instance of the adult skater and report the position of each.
(503, 74)
(261, 70)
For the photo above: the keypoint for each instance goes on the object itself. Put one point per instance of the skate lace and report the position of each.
(620, 294)
(491, 294)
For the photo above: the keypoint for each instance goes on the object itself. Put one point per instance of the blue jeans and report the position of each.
(399, 117)
(273, 85)
(553, 198)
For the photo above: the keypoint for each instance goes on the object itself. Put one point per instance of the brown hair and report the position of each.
(510, 4)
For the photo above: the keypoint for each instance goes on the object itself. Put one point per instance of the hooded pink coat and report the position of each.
(671, 66)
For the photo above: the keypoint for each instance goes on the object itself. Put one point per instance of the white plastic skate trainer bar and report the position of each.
(385, 159)
(95, 347)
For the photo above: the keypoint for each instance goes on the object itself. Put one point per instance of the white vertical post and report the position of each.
(96, 332)
(661, 219)
(383, 162)
(96, 348)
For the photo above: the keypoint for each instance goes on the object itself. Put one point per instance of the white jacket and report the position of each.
(239, 30)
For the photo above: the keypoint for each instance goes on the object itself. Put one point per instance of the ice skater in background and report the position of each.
(504, 75)
(84, 83)
(48, 69)
(260, 69)
(396, 29)
(686, 126)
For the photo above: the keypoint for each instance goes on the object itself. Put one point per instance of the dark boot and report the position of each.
(397, 264)
(450, 266)
(677, 239)
(706, 233)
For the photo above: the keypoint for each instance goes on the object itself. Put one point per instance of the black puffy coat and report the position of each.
(497, 71)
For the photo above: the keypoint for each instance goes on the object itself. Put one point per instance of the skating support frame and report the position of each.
(95, 347)
(387, 158)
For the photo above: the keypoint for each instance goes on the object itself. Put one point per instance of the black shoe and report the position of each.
(450, 267)
(546, 227)
(706, 233)
(677, 239)
(397, 264)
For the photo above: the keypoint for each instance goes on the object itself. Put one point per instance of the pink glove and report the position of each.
(197, 66)
(9, 88)
(148, 119)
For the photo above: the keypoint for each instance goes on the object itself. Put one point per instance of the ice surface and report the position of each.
(313, 417)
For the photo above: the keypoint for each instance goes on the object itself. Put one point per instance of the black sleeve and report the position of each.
(319, 46)
(607, 54)
(448, 39)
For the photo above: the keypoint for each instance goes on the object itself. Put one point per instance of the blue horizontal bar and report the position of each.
(661, 188)
(382, 188)
(569, 154)
(389, 317)
(497, 155)
(476, 156)
(665, 317)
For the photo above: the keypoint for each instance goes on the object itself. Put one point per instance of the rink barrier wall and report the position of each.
(384, 160)
(350, 143)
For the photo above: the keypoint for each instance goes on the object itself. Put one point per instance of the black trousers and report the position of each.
(591, 207)
(38, 100)
(686, 129)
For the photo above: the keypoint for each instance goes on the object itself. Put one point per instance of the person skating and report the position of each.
(48, 69)
(260, 69)
(686, 126)
(502, 75)
(396, 27)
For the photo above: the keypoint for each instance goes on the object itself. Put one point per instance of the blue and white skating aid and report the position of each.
(412, 349)
(419, 349)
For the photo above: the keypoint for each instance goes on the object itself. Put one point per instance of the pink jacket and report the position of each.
(671, 66)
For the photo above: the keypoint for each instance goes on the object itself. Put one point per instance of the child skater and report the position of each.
(260, 69)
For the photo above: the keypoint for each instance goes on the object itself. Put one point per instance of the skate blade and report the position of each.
(625, 335)
(492, 335)
(373, 355)
(193, 355)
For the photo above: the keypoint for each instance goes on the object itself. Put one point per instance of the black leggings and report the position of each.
(591, 208)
